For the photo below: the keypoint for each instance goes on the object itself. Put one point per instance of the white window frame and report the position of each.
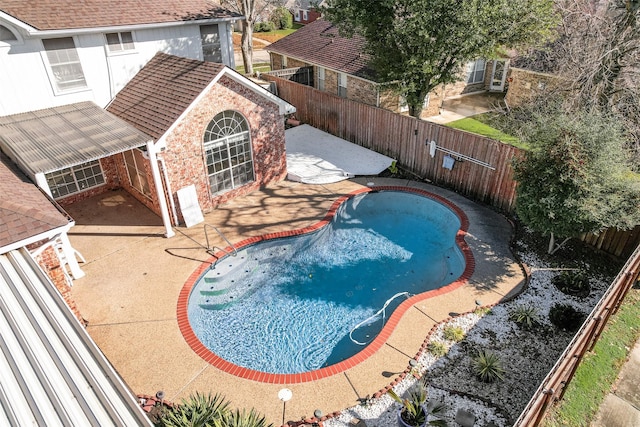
(305, 15)
(123, 47)
(296, 15)
(139, 180)
(75, 179)
(342, 85)
(404, 107)
(285, 61)
(473, 71)
(227, 146)
(321, 78)
(213, 46)
(48, 54)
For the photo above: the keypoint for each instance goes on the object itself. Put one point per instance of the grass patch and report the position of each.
(261, 66)
(272, 36)
(600, 368)
(478, 126)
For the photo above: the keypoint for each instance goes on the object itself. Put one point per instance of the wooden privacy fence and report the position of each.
(553, 386)
(406, 139)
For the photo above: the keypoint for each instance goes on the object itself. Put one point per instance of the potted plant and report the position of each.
(414, 411)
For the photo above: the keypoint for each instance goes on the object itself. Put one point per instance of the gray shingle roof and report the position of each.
(72, 14)
(320, 44)
(161, 91)
(55, 138)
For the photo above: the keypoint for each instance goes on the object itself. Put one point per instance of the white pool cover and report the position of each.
(316, 157)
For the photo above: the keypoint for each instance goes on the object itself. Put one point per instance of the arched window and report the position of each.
(228, 156)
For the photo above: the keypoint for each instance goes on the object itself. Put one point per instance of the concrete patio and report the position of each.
(134, 276)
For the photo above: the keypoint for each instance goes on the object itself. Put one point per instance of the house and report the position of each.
(179, 122)
(52, 372)
(340, 67)
(55, 53)
(306, 11)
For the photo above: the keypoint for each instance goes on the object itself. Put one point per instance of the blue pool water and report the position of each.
(300, 303)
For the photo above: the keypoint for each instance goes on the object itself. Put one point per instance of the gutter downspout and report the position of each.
(168, 184)
(157, 180)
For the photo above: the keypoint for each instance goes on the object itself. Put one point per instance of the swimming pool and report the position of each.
(299, 304)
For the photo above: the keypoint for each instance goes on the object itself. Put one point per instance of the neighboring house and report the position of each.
(52, 372)
(306, 11)
(178, 122)
(340, 67)
(54, 53)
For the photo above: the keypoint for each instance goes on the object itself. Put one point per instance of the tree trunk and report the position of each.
(247, 46)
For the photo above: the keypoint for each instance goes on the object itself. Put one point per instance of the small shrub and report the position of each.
(198, 409)
(488, 367)
(264, 27)
(483, 311)
(242, 418)
(572, 282)
(453, 333)
(525, 316)
(438, 349)
(564, 316)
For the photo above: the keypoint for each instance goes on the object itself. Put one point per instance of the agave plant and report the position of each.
(488, 366)
(525, 316)
(242, 418)
(198, 410)
(414, 412)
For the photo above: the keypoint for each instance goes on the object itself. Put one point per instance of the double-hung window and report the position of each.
(64, 64)
(321, 74)
(75, 179)
(119, 42)
(475, 71)
(342, 85)
(210, 38)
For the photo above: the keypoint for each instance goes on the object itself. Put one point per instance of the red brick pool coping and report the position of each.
(215, 360)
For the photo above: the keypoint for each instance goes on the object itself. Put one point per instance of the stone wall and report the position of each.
(525, 85)
(184, 155)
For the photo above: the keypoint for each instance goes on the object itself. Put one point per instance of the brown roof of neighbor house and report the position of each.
(24, 210)
(55, 138)
(161, 91)
(320, 44)
(68, 14)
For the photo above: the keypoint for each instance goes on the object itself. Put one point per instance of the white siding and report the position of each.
(25, 84)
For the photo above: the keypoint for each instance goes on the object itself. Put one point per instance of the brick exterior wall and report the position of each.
(144, 165)
(275, 60)
(184, 155)
(50, 263)
(525, 85)
(362, 90)
(461, 87)
(112, 181)
(294, 63)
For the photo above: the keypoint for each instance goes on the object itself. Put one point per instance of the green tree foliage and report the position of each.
(576, 178)
(281, 18)
(424, 43)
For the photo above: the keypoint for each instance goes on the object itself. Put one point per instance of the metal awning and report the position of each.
(51, 372)
(55, 138)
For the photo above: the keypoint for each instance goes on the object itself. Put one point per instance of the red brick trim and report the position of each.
(206, 354)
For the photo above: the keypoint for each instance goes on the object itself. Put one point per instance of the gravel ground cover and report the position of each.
(526, 354)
